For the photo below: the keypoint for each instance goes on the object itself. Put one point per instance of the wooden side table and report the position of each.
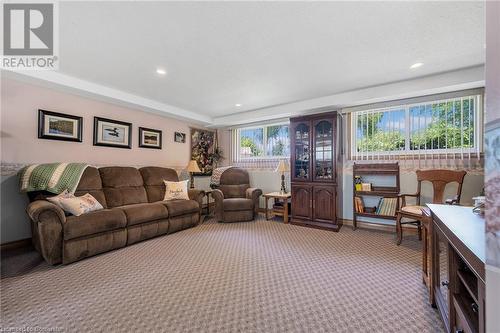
(279, 196)
(206, 207)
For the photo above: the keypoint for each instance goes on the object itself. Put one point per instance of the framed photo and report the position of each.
(112, 133)
(180, 137)
(149, 138)
(59, 126)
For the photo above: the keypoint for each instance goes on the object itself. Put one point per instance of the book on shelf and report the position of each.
(387, 206)
(359, 205)
(367, 187)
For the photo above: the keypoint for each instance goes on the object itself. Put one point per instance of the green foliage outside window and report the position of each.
(248, 142)
(447, 125)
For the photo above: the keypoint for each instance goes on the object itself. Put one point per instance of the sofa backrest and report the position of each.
(91, 183)
(122, 186)
(234, 182)
(153, 181)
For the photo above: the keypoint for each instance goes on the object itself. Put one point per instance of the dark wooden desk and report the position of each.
(458, 267)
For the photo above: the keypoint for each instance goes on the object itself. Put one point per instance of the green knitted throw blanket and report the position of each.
(51, 177)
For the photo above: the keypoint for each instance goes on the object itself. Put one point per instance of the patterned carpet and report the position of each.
(261, 276)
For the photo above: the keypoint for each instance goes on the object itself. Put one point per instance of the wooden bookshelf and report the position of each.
(375, 169)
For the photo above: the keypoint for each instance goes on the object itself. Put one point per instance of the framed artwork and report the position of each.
(59, 126)
(149, 138)
(180, 137)
(112, 133)
(202, 147)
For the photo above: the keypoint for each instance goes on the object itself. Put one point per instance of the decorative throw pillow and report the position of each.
(80, 205)
(176, 190)
(56, 200)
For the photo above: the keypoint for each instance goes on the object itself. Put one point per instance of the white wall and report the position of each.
(20, 102)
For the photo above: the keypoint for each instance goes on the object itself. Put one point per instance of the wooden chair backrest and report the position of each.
(439, 180)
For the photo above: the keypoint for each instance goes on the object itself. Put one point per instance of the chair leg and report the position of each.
(419, 231)
(399, 230)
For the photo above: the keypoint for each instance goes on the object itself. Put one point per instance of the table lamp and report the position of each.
(192, 167)
(282, 168)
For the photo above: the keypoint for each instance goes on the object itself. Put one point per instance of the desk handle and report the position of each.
(445, 283)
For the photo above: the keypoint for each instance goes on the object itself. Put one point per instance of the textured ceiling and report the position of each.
(261, 54)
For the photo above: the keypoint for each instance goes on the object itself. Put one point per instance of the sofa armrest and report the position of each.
(254, 194)
(196, 195)
(48, 220)
(219, 204)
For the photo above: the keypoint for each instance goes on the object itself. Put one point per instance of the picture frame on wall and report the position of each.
(112, 133)
(180, 137)
(202, 148)
(149, 138)
(59, 126)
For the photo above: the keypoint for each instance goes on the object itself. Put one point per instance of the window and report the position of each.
(446, 126)
(271, 141)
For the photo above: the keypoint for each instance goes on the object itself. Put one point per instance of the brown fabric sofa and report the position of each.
(235, 200)
(134, 210)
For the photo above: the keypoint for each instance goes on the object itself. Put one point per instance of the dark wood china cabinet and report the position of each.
(314, 163)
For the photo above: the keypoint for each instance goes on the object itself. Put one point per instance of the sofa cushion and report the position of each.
(91, 183)
(176, 190)
(237, 204)
(123, 186)
(181, 207)
(234, 191)
(80, 205)
(94, 223)
(153, 181)
(234, 176)
(144, 212)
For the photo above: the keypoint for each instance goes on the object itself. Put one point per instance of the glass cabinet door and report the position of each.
(302, 150)
(324, 154)
(442, 277)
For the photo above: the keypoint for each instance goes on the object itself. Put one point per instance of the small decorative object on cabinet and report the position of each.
(314, 161)
(375, 172)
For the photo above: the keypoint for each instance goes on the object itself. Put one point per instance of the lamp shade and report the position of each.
(283, 166)
(193, 166)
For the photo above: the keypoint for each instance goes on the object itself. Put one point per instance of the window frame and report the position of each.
(264, 142)
(407, 151)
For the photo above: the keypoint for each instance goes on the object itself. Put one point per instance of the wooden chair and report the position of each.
(439, 180)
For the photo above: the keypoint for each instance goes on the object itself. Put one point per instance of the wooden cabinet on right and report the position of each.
(458, 268)
(314, 164)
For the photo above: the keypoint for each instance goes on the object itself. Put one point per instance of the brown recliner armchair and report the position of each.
(235, 200)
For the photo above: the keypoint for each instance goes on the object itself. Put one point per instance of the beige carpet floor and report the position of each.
(261, 276)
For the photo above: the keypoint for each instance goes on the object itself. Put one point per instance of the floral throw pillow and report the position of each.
(56, 200)
(80, 205)
(176, 190)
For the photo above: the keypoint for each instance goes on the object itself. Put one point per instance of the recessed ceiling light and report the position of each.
(161, 71)
(416, 65)
(237, 105)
